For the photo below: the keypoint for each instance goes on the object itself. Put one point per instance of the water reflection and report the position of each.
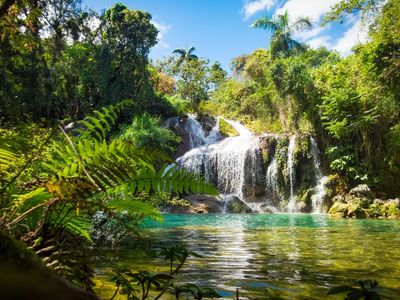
(297, 256)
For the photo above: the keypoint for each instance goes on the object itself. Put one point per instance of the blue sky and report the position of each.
(220, 29)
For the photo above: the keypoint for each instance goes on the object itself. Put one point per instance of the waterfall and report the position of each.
(271, 179)
(196, 132)
(236, 165)
(292, 205)
(230, 163)
(320, 192)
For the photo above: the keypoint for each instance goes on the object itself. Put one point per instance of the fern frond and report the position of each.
(78, 225)
(7, 158)
(100, 122)
(33, 197)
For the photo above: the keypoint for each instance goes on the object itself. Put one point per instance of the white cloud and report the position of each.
(314, 9)
(320, 41)
(354, 35)
(308, 34)
(162, 31)
(253, 7)
(319, 36)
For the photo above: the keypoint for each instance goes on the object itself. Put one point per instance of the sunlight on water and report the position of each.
(294, 256)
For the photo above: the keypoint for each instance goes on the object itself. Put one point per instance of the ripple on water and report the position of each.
(297, 256)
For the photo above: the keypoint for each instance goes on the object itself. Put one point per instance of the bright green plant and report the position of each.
(146, 132)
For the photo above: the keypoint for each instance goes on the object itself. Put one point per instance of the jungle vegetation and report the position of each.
(81, 111)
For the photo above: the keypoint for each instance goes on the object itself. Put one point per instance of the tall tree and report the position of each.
(128, 36)
(282, 30)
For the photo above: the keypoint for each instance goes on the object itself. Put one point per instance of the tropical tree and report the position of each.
(282, 30)
(185, 55)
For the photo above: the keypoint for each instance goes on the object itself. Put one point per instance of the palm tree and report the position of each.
(185, 55)
(283, 31)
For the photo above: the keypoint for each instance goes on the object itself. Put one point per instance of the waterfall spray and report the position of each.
(292, 205)
(320, 192)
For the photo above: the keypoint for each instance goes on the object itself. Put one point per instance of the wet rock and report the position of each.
(265, 209)
(267, 145)
(207, 122)
(304, 203)
(234, 205)
(198, 204)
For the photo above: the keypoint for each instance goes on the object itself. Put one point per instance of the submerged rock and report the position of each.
(234, 205)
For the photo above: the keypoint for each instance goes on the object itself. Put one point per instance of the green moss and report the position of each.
(338, 210)
(391, 209)
(302, 146)
(306, 196)
(281, 152)
(226, 129)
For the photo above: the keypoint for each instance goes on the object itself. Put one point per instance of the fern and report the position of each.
(7, 158)
(78, 225)
(100, 123)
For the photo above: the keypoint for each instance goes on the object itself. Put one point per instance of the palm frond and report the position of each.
(302, 23)
(266, 23)
(190, 51)
(180, 51)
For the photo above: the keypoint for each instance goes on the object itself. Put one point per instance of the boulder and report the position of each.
(265, 209)
(234, 205)
(198, 204)
(349, 206)
(391, 208)
(207, 122)
(338, 210)
(362, 191)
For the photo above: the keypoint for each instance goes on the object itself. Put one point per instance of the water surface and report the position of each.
(294, 256)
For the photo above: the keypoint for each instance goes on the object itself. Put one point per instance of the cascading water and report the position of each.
(292, 205)
(318, 197)
(236, 165)
(229, 163)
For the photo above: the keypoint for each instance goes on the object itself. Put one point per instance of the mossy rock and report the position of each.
(338, 210)
(347, 210)
(226, 129)
(236, 206)
(391, 208)
(356, 211)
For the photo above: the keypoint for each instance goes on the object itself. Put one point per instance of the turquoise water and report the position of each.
(293, 256)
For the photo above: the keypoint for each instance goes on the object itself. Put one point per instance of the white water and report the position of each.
(320, 192)
(228, 162)
(235, 165)
(292, 205)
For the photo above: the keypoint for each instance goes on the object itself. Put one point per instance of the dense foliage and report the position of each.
(351, 103)
(59, 60)
(80, 163)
